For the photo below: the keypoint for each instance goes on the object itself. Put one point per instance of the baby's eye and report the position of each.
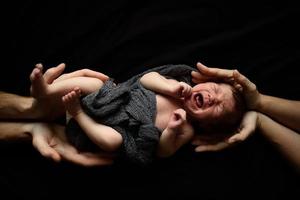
(220, 108)
(215, 88)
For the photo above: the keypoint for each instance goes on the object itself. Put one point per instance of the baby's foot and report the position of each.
(72, 103)
(38, 84)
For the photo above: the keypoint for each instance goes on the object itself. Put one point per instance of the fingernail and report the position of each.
(232, 140)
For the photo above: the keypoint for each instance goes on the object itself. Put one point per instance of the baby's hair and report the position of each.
(234, 118)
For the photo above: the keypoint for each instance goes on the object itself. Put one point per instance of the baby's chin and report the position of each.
(189, 106)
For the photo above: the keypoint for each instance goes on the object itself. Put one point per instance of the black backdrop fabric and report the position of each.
(121, 39)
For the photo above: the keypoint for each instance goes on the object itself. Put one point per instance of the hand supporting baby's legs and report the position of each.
(40, 83)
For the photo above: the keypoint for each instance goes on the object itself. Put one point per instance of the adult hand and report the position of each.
(50, 140)
(236, 79)
(50, 74)
(248, 89)
(49, 108)
(247, 127)
(205, 74)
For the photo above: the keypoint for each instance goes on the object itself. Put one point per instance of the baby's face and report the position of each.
(209, 101)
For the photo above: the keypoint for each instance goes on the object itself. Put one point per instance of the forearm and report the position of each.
(157, 83)
(105, 137)
(286, 140)
(286, 112)
(10, 131)
(166, 146)
(15, 107)
(165, 149)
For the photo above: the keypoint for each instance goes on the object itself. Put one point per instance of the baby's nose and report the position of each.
(211, 100)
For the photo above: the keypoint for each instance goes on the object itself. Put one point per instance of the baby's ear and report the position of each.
(177, 118)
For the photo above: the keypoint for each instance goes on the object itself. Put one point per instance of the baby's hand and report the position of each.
(176, 120)
(178, 126)
(181, 90)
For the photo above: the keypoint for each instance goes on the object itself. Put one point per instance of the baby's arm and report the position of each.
(107, 138)
(167, 145)
(171, 87)
(177, 134)
(60, 88)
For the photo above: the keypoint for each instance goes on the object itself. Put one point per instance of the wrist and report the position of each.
(15, 107)
(14, 131)
(26, 110)
(259, 120)
(28, 106)
(77, 115)
(30, 110)
(27, 131)
(173, 90)
(259, 106)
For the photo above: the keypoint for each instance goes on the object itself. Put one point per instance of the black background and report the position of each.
(121, 39)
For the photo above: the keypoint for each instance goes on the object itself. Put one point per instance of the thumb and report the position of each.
(175, 120)
(212, 147)
(200, 66)
(239, 137)
(45, 150)
(54, 72)
(243, 81)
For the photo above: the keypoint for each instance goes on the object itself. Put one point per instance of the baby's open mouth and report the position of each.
(199, 100)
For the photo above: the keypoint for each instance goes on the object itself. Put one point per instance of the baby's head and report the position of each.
(215, 107)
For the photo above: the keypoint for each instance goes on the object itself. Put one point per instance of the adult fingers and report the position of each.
(211, 74)
(37, 80)
(43, 147)
(198, 141)
(101, 154)
(214, 72)
(84, 73)
(212, 147)
(241, 136)
(243, 81)
(197, 77)
(52, 73)
(247, 127)
(88, 159)
(237, 86)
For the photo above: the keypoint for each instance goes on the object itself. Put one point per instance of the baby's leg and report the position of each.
(87, 85)
(107, 138)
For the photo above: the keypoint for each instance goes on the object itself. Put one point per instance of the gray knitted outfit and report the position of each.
(130, 109)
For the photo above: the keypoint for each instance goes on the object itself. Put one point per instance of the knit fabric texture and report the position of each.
(130, 109)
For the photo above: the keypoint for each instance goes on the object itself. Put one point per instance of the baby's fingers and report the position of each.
(187, 91)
